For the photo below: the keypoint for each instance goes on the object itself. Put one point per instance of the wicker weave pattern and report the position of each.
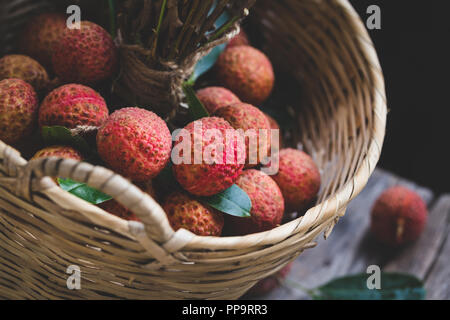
(342, 120)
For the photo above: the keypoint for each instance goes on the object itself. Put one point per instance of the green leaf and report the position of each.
(233, 201)
(83, 191)
(61, 135)
(394, 286)
(196, 108)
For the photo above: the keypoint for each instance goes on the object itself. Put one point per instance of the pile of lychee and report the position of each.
(55, 80)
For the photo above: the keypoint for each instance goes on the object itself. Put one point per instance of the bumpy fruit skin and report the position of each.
(40, 35)
(18, 110)
(73, 105)
(115, 208)
(247, 72)
(247, 117)
(207, 179)
(241, 39)
(135, 143)
(87, 55)
(270, 283)
(398, 217)
(65, 152)
(214, 98)
(298, 178)
(185, 212)
(23, 67)
(267, 204)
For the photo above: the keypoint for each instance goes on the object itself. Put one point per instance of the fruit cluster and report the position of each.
(58, 79)
(55, 81)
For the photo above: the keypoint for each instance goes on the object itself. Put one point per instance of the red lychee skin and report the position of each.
(214, 98)
(18, 110)
(298, 178)
(40, 35)
(65, 152)
(398, 217)
(208, 179)
(245, 116)
(73, 105)
(23, 67)
(115, 208)
(87, 55)
(270, 283)
(267, 204)
(247, 72)
(185, 212)
(136, 143)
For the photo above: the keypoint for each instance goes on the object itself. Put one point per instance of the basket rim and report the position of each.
(319, 216)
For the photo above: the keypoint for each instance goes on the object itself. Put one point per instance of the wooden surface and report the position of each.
(350, 248)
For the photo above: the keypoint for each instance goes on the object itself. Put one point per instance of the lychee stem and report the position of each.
(400, 229)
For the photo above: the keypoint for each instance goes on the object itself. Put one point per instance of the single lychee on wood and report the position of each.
(18, 110)
(135, 143)
(398, 216)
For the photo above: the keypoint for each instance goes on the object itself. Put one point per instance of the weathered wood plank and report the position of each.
(350, 248)
(437, 282)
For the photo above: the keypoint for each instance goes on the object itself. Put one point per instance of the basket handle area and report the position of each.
(22, 176)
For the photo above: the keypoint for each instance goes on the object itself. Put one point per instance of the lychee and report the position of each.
(270, 283)
(40, 35)
(135, 143)
(65, 152)
(23, 67)
(254, 124)
(399, 216)
(18, 110)
(247, 72)
(267, 204)
(241, 39)
(214, 98)
(216, 170)
(73, 105)
(115, 208)
(87, 55)
(185, 212)
(298, 178)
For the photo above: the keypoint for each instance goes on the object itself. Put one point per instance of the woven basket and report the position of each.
(325, 47)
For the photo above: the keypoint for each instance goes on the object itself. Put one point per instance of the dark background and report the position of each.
(413, 50)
